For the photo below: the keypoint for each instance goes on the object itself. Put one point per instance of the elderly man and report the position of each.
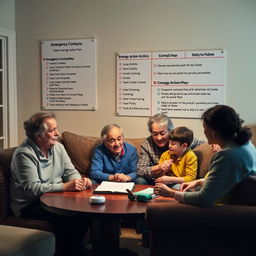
(114, 159)
(39, 165)
(152, 148)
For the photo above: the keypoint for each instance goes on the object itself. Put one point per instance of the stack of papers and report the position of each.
(108, 187)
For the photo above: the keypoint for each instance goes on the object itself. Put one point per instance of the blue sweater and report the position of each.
(104, 163)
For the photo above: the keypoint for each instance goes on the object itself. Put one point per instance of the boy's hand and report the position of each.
(165, 165)
(161, 169)
(164, 179)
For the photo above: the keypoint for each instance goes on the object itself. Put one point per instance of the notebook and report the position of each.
(109, 187)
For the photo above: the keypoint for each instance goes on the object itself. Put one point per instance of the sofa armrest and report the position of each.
(183, 229)
(189, 218)
(4, 204)
(30, 223)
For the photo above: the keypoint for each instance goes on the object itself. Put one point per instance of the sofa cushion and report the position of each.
(135, 142)
(204, 155)
(80, 150)
(6, 158)
(5, 161)
(253, 130)
(18, 241)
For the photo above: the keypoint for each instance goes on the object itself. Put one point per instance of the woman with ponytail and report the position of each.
(228, 167)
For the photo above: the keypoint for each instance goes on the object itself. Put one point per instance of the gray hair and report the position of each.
(35, 124)
(160, 119)
(107, 128)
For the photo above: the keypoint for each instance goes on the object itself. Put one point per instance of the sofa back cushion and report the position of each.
(80, 149)
(253, 130)
(204, 155)
(135, 142)
(6, 158)
(5, 169)
(245, 192)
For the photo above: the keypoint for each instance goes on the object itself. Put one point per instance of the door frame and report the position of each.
(12, 86)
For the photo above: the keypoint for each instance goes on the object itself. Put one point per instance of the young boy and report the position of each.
(181, 159)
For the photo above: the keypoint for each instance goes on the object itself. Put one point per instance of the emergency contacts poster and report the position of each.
(69, 74)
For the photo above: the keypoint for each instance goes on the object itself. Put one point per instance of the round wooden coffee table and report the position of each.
(105, 218)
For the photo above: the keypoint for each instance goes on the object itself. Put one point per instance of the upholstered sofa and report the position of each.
(80, 150)
(182, 229)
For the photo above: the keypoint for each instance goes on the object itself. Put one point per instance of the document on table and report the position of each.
(109, 187)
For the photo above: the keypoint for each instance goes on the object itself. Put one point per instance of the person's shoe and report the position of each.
(145, 240)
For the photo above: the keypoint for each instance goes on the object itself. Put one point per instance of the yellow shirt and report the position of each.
(183, 166)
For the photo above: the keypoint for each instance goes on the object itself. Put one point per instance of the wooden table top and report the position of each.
(116, 205)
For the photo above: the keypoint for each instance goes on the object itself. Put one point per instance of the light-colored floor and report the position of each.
(129, 239)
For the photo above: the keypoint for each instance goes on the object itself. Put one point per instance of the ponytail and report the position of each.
(227, 123)
(243, 135)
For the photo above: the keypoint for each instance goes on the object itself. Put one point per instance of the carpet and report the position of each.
(129, 239)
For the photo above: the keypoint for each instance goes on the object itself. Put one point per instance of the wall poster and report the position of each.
(69, 74)
(178, 84)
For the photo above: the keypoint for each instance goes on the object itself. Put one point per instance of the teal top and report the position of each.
(228, 167)
(33, 174)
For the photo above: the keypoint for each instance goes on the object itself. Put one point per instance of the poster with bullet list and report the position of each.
(179, 84)
(69, 74)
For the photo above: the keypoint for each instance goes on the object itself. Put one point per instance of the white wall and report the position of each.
(129, 26)
(7, 14)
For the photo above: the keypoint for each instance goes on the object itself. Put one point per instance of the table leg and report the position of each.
(105, 237)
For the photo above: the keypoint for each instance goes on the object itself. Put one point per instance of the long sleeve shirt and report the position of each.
(184, 166)
(33, 174)
(228, 167)
(105, 164)
(150, 155)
